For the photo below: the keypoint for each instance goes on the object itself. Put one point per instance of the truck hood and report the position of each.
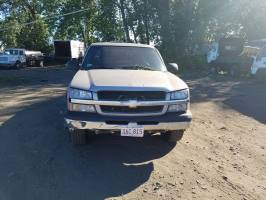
(7, 57)
(110, 79)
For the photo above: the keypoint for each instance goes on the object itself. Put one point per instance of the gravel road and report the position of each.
(222, 156)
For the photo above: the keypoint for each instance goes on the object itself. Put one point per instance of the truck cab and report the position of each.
(229, 55)
(259, 64)
(13, 58)
(18, 58)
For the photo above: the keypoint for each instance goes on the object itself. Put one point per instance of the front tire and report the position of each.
(234, 72)
(174, 136)
(40, 63)
(18, 65)
(78, 137)
(214, 69)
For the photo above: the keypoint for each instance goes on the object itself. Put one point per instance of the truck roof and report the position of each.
(15, 49)
(68, 41)
(121, 44)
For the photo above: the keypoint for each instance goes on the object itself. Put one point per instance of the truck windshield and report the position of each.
(11, 52)
(119, 57)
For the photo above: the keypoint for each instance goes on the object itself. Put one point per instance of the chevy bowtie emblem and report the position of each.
(133, 104)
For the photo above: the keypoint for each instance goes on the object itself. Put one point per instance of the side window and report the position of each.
(97, 59)
(93, 57)
(15, 52)
(21, 53)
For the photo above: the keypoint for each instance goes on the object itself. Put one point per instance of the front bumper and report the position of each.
(7, 64)
(96, 122)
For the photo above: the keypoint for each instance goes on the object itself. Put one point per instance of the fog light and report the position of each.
(83, 108)
(177, 108)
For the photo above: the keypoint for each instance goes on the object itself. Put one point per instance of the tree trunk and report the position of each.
(146, 22)
(134, 34)
(124, 19)
(163, 7)
(31, 9)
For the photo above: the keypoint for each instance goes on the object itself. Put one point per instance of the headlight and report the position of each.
(79, 94)
(180, 95)
(178, 108)
(82, 108)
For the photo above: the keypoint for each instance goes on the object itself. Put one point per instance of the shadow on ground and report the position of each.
(244, 95)
(35, 76)
(37, 160)
(249, 99)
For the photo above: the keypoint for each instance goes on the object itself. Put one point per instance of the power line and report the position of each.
(50, 17)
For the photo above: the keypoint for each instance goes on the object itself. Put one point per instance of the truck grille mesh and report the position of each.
(125, 109)
(131, 95)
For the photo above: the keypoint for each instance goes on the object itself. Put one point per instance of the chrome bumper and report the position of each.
(7, 64)
(73, 124)
(163, 124)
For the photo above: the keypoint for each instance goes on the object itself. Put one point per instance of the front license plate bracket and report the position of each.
(132, 132)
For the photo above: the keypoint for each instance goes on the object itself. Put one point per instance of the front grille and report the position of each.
(3, 59)
(127, 110)
(127, 122)
(131, 95)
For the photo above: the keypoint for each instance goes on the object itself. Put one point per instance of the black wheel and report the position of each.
(18, 65)
(40, 63)
(78, 137)
(234, 71)
(214, 70)
(174, 136)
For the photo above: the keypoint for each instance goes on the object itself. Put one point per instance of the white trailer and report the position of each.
(69, 49)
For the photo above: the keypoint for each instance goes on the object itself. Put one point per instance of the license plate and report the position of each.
(132, 132)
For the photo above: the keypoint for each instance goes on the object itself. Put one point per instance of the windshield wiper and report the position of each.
(98, 67)
(139, 67)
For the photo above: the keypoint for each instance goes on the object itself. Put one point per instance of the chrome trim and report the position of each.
(164, 110)
(99, 110)
(86, 125)
(128, 103)
(98, 103)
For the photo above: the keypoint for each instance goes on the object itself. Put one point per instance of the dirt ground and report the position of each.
(222, 156)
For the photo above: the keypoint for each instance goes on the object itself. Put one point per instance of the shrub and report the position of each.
(192, 63)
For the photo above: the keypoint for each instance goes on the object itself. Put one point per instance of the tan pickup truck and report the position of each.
(126, 89)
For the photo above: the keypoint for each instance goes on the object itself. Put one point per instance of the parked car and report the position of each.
(232, 56)
(127, 89)
(258, 68)
(20, 57)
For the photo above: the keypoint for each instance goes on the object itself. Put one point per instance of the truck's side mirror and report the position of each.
(172, 67)
(73, 64)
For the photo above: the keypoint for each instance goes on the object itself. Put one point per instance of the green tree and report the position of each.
(8, 33)
(108, 26)
(34, 36)
(24, 27)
